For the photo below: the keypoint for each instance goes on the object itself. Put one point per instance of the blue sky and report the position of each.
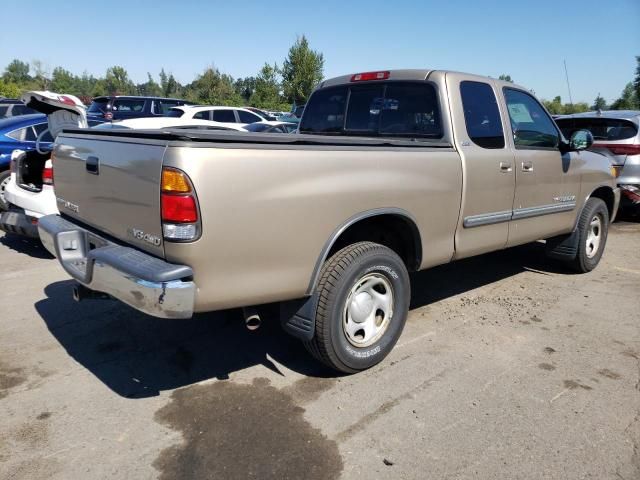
(528, 40)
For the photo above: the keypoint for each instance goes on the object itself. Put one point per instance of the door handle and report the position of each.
(527, 166)
(93, 165)
(505, 167)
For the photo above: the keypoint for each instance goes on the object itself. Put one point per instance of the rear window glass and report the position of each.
(224, 116)
(21, 110)
(481, 114)
(600, 128)
(175, 113)
(98, 106)
(128, 105)
(388, 109)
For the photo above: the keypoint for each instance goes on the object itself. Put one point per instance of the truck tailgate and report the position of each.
(112, 185)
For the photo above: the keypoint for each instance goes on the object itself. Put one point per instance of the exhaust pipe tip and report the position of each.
(252, 318)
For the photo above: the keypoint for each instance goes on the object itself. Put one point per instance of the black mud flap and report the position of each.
(563, 247)
(298, 317)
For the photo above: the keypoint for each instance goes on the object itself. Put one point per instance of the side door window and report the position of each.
(227, 116)
(481, 114)
(248, 117)
(532, 128)
(203, 115)
(161, 107)
(41, 127)
(128, 106)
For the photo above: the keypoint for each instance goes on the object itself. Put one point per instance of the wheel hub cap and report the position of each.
(594, 236)
(368, 310)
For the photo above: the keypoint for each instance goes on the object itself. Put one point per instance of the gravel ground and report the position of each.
(509, 367)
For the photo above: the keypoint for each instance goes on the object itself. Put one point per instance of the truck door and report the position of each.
(487, 163)
(547, 181)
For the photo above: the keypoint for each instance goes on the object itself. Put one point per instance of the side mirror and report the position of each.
(581, 140)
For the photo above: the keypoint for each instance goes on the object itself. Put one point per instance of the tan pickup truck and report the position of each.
(391, 172)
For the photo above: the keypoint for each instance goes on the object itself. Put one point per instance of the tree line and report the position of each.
(629, 98)
(273, 87)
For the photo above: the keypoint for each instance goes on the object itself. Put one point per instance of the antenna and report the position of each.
(566, 74)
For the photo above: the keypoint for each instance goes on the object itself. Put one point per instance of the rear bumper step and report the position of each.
(142, 281)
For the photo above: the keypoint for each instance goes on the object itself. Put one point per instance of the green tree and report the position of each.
(301, 71)
(576, 107)
(245, 87)
(636, 82)
(16, 72)
(554, 106)
(9, 89)
(117, 81)
(214, 88)
(628, 99)
(40, 75)
(149, 88)
(169, 85)
(506, 78)
(599, 103)
(63, 81)
(267, 93)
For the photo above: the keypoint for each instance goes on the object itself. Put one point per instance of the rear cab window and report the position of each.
(602, 129)
(389, 109)
(481, 114)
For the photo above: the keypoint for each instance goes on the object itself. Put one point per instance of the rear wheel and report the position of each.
(4, 181)
(364, 294)
(593, 227)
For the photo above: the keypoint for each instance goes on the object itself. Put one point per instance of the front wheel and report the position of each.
(364, 294)
(593, 227)
(5, 177)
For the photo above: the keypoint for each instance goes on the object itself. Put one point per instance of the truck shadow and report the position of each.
(138, 356)
(25, 245)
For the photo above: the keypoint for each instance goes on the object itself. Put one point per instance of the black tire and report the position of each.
(339, 276)
(4, 205)
(587, 258)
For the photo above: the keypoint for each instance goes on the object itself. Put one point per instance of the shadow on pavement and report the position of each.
(138, 356)
(26, 245)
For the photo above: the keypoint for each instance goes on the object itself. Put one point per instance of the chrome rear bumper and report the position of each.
(142, 281)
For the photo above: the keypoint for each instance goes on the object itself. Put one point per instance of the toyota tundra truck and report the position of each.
(391, 172)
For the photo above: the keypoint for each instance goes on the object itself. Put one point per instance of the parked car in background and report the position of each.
(121, 107)
(169, 122)
(272, 127)
(12, 108)
(616, 135)
(298, 110)
(216, 114)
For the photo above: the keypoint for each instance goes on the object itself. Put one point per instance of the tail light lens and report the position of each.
(108, 116)
(368, 76)
(617, 149)
(47, 173)
(179, 207)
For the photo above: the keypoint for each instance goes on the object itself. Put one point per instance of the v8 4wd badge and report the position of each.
(147, 237)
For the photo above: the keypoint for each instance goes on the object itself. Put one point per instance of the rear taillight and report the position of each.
(108, 116)
(366, 76)
(620, 149)
(179, 207)
(47, 173)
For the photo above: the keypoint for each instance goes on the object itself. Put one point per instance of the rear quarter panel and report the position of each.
(267, 212)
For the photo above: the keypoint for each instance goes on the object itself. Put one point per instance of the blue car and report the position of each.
(20, 133)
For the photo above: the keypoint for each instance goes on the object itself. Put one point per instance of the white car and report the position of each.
(227, 115)
(30, 190)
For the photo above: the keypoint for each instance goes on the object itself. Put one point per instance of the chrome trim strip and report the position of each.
(520, 213)
(487, 219)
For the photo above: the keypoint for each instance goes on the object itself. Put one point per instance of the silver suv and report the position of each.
(616, 135)
(13, 108)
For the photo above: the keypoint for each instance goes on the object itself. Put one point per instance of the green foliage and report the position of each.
(636, 82)
(214, 88)
(267, 93)
(149, 88)
(245, 87)
(63, 80)
(16, 72)
(506, 78)
(117, 81)
(628, 99)
(556, 107)
(9, 89)
(599, 103)
(301, 71)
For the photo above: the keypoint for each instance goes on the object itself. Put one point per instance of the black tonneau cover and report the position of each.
(196, 135)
